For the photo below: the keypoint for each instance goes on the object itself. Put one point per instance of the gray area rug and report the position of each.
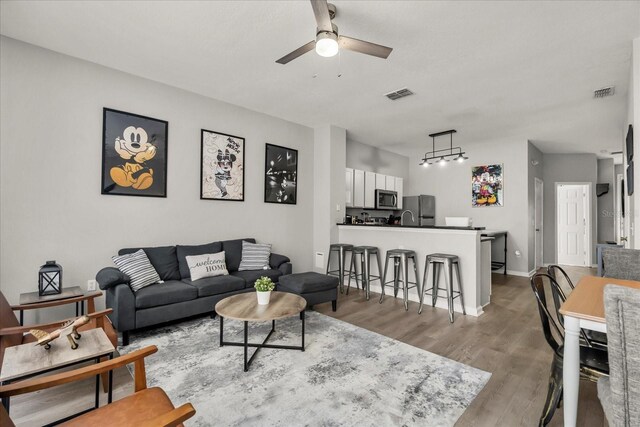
(347, 376)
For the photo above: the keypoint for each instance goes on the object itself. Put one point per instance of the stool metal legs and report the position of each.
(365, 271)
(400, 269)
(342, 252)
(448, 275)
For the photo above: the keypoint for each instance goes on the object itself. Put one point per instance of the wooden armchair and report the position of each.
(146, 407)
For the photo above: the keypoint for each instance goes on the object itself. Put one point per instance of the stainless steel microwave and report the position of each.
(386, 199)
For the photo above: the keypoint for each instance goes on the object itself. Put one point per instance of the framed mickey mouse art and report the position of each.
(134, 154)
(221, 166)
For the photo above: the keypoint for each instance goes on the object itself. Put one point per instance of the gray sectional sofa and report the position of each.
(179, 297)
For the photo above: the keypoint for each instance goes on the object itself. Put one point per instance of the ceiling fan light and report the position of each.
(327, 44)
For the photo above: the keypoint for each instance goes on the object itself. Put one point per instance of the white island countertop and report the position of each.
(461, 241)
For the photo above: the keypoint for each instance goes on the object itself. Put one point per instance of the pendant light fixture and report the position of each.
(444, 155)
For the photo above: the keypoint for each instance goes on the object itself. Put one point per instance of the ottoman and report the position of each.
(316, 288)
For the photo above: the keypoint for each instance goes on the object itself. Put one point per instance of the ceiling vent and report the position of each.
(605, 91)
(397, 94)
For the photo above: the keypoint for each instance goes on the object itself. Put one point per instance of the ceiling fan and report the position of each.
(328, 42)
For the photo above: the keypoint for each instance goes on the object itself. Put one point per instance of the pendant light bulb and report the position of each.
(442, 161)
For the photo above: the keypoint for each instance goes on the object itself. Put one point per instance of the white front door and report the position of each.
(539, 186)
(573, 224)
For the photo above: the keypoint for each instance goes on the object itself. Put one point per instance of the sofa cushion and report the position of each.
(233, 251)
(216, 285)
(169, 292)
(207, 265)
(302, 283)
(138, 268)
(184, 251)
(162, 258)
(250, 276)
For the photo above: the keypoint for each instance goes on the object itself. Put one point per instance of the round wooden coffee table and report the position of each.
(245, 307)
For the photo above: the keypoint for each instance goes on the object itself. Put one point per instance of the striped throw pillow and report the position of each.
(139, 269)
(255, 256)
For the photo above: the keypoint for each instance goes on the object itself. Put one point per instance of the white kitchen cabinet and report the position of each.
(390, 183)
(358, 188)
(381, 182)
(349, 187)
(370, 190)
(399, 185)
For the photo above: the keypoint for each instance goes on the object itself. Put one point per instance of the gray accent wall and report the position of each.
(606, 215)
(451, 185)
(534, 171)
(566, 168)
(50, 163)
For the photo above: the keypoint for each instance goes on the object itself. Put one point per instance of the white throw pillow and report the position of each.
(255, 256)
(139, 269)
(207, 265)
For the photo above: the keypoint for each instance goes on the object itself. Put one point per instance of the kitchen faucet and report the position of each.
(402, 216)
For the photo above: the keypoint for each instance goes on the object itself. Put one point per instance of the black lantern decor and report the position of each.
(50, 279)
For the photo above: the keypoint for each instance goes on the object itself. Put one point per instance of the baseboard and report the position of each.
(517, 273)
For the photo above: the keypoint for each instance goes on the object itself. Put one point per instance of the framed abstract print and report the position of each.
(281, 175)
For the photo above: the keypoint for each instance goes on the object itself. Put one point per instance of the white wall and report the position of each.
(50, 149)
(328, 189)
(451, 184)
(373, 159)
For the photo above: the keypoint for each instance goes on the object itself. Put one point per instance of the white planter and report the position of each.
(263, 297)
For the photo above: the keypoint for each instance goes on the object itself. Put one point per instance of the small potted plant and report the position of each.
(264, 286)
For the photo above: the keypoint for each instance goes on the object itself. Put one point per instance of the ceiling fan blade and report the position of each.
(321, 11)
(298, 52)
(362, 46)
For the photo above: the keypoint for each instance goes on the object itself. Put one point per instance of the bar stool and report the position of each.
(341, 249)
(438, 261)
(365, 253)
(400, 259)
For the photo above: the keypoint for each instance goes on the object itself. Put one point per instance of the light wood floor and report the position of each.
(506, 341)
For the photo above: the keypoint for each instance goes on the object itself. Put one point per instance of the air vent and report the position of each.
(397, 94)
(605, 91)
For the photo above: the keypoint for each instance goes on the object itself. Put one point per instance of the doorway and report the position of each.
(573, 223)
(538, 223)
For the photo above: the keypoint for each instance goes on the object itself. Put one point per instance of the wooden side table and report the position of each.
(27, 360)
(74, 294)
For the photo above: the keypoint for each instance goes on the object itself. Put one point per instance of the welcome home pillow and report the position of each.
(255, 256)
(139, 269)
(207, 265)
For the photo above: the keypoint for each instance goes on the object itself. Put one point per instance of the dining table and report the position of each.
(583, 309)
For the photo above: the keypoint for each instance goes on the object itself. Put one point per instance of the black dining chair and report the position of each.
(593, 360)
(591, 338)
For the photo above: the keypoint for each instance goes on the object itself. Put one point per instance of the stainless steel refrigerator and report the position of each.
(423, 208)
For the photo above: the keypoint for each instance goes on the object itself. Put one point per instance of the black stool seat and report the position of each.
(315, 287)
(341, 245)
(394, 252)
(361, 249)
(442, 258)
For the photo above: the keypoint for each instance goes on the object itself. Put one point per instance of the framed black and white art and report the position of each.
(281, 175)
(134, 154)
(221, 166)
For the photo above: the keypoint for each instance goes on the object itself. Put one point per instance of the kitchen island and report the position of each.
(465, 242)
